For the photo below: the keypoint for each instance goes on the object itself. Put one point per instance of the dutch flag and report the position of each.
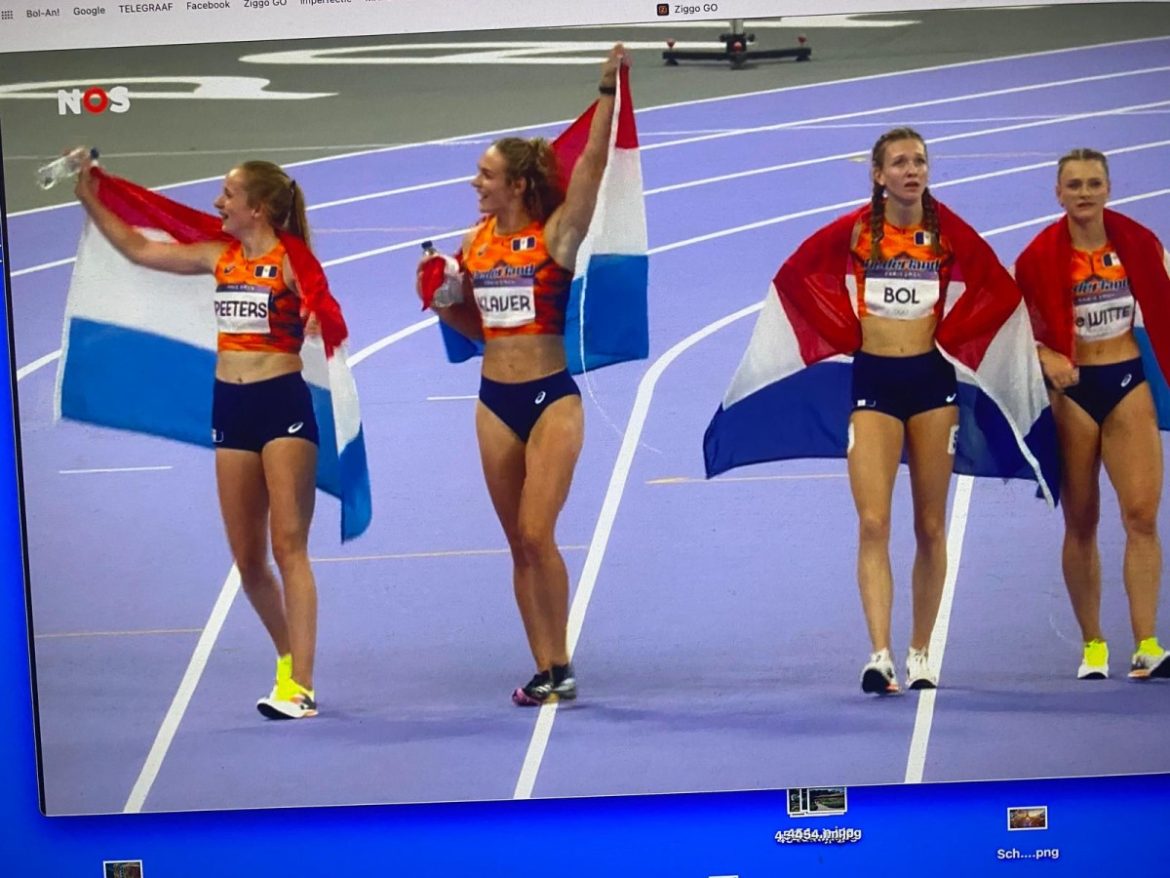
(138, 346)
(790, 397)
(606, 318)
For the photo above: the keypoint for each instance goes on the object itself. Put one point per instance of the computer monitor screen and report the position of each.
(591, 590)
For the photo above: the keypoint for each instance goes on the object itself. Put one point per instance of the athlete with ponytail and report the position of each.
(518, 264)
(263, 426)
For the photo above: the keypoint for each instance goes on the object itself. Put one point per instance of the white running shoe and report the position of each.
(1095, 663)
(878, 675)
(918, 671)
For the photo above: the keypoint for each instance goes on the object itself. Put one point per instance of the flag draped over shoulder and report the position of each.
(1042, 272)
(138, 346)
(606, 318)
(790, 396)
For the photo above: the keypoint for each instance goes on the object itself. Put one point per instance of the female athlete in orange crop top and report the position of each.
(1076, 276)
(263, 425)
(529, 421)
(904, 392)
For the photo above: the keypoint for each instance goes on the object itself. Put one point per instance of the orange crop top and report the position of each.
(254, 308)
(518, 287)
(1103, 304)
(911, 280)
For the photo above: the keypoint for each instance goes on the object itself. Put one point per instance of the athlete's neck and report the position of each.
(257, 242)
(1087, 234)
(903, 214)
(512, 220)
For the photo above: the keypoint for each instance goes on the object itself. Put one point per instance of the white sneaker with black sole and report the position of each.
(878, 676)
(919, 674)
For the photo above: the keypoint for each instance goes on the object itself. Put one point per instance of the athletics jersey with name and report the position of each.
(1103, 305)
(254, 308)
(518, 287)
(911, 280)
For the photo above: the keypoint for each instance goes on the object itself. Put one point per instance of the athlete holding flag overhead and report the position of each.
(518, 298)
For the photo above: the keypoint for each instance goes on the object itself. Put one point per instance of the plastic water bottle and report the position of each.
(441, 282)
(68, 165)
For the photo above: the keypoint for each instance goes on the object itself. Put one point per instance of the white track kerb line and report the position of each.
(223, 603)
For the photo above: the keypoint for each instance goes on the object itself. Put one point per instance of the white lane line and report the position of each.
(924, 718)
(411, 556)
(605, 520)
(174, 715)
(447, 398)
(199, 658)
(114, 469)
(542, 730)
(26, 370)
(914, 105)
(456, 139)
(794, 125)
(137, 632)
(795, 477)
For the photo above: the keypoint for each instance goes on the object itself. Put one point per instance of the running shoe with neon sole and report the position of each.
(289, 700)
(1095, 664)
(1150, 661)
(535, 692)
(564, 682)
(918, 671)
(878, 676)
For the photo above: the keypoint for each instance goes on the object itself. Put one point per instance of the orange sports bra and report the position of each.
(518, 287)
(910, 281)
(1103, 304)
(254, 308)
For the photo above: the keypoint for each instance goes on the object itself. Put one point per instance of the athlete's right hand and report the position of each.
(1058, 369)
(86, 185)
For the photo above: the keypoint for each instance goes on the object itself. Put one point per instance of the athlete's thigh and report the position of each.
(1131, 449)
(1079, 439)
(553, 449)
(501, 454)
(243, 502)
(930, 452)
(290, 472)
(875, 450)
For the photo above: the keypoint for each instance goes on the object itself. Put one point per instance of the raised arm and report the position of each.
(159, 255)
(568, 224)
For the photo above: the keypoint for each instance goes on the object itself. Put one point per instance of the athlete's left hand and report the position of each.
(312, 325)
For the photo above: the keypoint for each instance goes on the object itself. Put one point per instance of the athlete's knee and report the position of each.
(873, 527)
(535, 542)
(255, 574)
(930, 532)
(1140, 519)
(289, 547)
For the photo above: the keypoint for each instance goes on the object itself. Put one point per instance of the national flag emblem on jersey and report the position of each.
(922, 239)
(1111, 260)
(265, 271)
(790, 397)
(139, 346)
(606, 318)
(528, 243)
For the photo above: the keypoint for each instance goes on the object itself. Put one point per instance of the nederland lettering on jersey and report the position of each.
(909, 285)
(518, 287)
(1103, 304)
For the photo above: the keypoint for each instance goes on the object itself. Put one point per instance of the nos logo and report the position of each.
(93, 100)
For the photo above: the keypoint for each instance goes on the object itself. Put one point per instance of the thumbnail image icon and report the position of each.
(122, 869)
(1028, 818)
(816, 801)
